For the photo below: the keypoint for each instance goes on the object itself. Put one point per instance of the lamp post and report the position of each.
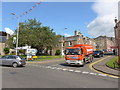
(18, 17)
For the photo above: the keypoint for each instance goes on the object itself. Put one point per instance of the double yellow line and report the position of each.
(91, 67)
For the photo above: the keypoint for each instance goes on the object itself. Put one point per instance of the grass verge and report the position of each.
(113, 63)
(41, 58)
(48, 57)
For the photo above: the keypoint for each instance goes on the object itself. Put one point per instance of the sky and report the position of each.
(91, 18)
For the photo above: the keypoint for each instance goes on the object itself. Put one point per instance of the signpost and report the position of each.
(30, 53)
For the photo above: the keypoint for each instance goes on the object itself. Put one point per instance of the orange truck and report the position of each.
(79, 54)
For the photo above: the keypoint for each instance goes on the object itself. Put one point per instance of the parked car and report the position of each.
(12, 60)
(98, 53)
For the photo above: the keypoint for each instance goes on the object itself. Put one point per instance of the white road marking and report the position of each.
(85, 72)
(93, 73)
(70, 70)
(53, 68)
(58, 68)
(102, 75)
(77, 71)
(64, 69)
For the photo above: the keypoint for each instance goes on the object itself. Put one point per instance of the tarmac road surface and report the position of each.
(55, 75)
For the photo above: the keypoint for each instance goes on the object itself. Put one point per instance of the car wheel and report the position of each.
(14, 65)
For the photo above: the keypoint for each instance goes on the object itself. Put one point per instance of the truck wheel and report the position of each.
(14, 65)
(84, 62)
(90, 60)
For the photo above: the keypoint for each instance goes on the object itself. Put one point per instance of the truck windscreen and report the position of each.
(75, 51)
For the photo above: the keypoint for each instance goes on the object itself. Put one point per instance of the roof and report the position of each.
(3, 33)
(3, 39)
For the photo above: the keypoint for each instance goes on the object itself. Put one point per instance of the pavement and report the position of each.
(101, 67)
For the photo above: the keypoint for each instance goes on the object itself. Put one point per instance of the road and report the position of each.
(55, 75)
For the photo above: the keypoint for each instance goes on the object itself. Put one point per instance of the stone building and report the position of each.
(104, 43)
(3, 39)
(78, 38)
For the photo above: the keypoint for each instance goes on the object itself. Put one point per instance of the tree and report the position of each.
(32, 33)
(57, 52)
(6, 50)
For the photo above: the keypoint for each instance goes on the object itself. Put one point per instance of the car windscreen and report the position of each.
(75, 51)
(96, 51)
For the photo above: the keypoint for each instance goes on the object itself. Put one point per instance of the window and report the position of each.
(11, 57)
(4, 57)
(75, 51)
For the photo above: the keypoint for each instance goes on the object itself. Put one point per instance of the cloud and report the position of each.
(9, 31)
(67, 35)
(104, 23)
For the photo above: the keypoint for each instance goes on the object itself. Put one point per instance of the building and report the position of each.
(3, 39)
(104, 43)
(78, 38)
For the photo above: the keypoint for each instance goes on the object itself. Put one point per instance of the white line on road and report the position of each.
(102, 75)
(77, 71)
(58, 68)
(93, 73)
(85, 72)
(64, 69)
(70, 70)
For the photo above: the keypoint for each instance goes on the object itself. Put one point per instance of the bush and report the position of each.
(22, 51)
(6, 50)
(57, 52)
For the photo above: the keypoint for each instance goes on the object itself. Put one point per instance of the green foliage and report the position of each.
(113, 63)
(6, 50)
(57, 52)
(40, 58)
(22, 52)
(32, 33)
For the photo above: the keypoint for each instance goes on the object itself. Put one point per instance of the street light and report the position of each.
(18, 17)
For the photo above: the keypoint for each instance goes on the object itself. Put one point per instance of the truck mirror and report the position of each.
(64, 52)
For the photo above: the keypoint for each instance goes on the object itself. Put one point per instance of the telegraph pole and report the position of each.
(18, 17)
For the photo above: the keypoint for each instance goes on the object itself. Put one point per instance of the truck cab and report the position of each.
(78, 54)
(74, 55)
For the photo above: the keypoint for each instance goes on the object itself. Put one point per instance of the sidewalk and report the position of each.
(101, 66)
